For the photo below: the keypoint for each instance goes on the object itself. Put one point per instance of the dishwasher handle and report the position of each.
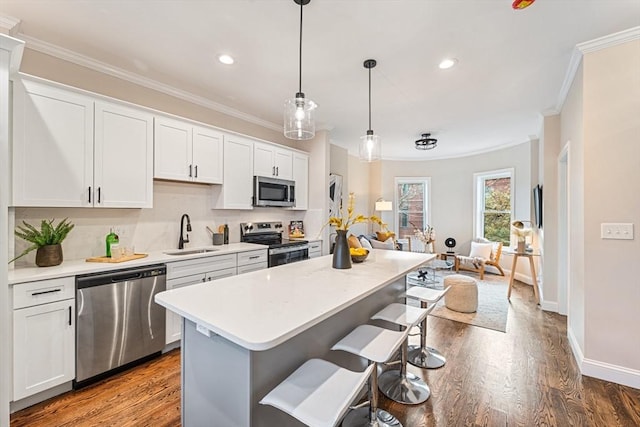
(125, 277)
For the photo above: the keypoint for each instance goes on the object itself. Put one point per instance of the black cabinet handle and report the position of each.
(99, 194)
(89, 194)
(277, 170)
(33, 294)
(196, 171)
(190, 171)
(69, 315)
(254, 257)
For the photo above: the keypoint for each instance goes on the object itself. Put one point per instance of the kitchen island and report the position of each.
(243, 335)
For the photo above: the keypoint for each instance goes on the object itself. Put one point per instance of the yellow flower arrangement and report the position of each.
(343, 223)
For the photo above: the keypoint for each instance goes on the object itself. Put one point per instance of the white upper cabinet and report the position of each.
(301, 177)
(52, 146)
(123, 165)
(172, 143)
(237, 190)
(273, 161)
(208, 155)
(185, 152)
(72, 150)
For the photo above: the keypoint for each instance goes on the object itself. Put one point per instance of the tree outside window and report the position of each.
(411, 199)
(495, 205)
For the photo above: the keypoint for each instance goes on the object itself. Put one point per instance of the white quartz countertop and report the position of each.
(80, 266)
(262, 309)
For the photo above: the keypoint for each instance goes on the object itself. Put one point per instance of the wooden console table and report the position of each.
(534, 278)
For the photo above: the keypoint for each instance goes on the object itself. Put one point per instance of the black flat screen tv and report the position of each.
(537, 204)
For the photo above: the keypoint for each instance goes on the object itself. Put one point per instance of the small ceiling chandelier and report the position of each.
(426, 142)
(370, 143)
(298, 111)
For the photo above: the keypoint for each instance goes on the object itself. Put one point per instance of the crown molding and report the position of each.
(609, 40)
(87, 62)
(9, 23)
(587, 47)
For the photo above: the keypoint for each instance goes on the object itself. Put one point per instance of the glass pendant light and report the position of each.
(370, 143)
(298, 112)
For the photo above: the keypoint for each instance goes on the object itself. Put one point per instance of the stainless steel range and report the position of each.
(281, 251)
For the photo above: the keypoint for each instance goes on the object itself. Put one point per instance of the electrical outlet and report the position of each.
(617, 231)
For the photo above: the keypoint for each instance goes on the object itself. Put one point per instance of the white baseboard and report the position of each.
(601, 370)
(524, 278)
(575, 347)
(549, 306)
(612, 373)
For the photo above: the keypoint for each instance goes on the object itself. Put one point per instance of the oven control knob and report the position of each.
(278, 225)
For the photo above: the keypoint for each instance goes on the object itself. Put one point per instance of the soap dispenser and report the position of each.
(112, 239)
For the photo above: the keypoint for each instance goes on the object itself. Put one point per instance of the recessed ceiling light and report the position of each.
(226, 59)
(448, 63)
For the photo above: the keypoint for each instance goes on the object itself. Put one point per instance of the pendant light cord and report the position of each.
(300, 53)
(369, 98)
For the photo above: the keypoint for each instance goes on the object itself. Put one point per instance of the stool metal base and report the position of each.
(428, 357)
(409, 389)
(360, 418)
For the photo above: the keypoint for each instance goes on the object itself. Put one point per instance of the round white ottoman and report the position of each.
(463, 295)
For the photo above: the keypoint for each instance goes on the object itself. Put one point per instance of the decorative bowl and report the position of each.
(359, 258)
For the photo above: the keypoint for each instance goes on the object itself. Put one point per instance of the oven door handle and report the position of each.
(288, 249)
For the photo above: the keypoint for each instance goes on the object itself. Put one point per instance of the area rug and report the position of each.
(493, 307)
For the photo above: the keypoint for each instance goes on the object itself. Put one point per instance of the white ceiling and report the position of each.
(512, 64)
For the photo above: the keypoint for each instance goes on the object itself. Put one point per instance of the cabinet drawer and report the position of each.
(219, 274)
(252, 267)
(200, 265)
(44, 291)
(252, 257)
(315, 246)
(185, 281)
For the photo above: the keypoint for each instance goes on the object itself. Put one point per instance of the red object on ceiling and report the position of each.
(521, 4)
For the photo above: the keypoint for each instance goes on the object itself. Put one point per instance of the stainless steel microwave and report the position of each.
(273, 192)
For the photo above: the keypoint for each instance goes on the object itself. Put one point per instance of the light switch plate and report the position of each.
(618, 231)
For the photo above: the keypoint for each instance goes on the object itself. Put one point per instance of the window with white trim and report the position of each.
(412, 205)
(494, 205)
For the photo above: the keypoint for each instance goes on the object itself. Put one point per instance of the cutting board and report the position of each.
(113, 260)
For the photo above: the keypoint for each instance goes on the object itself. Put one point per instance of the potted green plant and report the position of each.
(46, 240)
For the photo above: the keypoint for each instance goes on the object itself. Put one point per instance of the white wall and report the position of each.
(611, 194)
(550, 148)
(571, 122)
(359, 185)
(318, 213)
(452, 187)
(600, 120)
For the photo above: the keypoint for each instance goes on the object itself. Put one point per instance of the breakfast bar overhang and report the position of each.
(243, 335)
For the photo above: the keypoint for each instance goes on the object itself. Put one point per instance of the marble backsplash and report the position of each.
(152, 229)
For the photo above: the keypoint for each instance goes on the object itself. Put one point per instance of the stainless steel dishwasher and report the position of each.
(118, 323)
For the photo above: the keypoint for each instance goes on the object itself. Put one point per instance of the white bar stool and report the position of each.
(377, 345)
(423, 356)
(398, 384)
(318, 393)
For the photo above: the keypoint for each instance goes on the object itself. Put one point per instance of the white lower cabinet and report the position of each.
(43, 336)
(315, 248)
(193, 272)
(253, 260)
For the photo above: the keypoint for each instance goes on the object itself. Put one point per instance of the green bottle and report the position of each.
(112, 238)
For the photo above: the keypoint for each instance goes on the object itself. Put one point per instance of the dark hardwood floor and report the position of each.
(525, 377)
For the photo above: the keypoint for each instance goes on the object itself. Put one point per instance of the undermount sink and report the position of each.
(189, 251)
